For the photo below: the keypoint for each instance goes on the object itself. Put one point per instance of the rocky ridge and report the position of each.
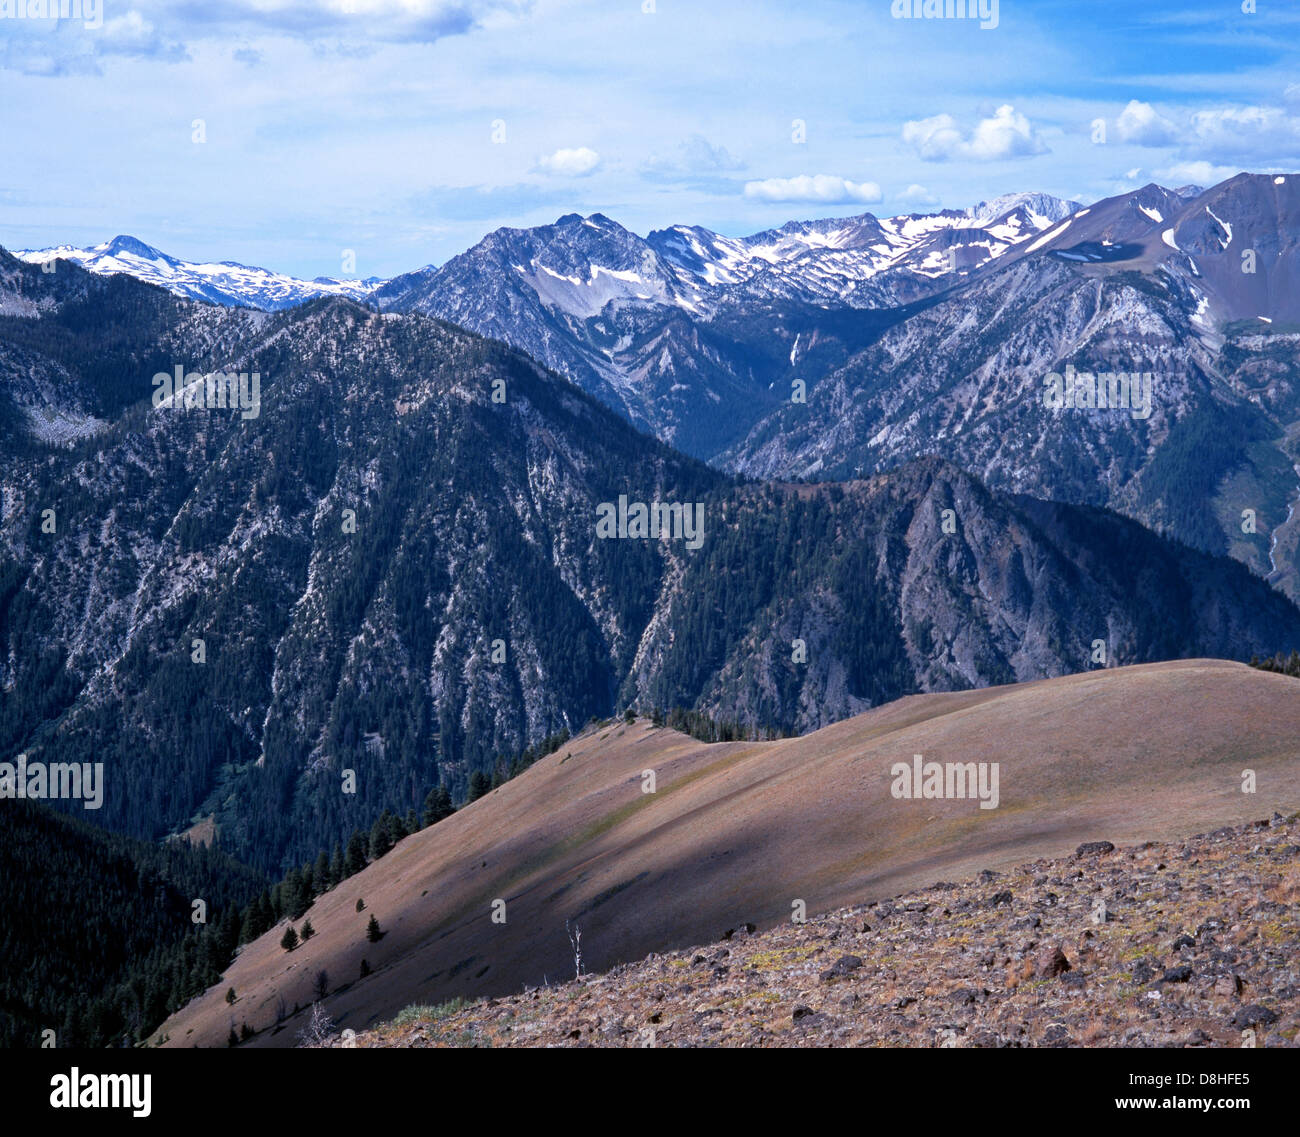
(1185, 944)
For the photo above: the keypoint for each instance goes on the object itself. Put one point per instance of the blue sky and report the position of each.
(406, 130)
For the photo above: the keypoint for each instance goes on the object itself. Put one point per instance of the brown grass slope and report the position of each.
(737, 832)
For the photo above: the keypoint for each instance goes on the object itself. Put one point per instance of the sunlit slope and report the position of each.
(738, 832)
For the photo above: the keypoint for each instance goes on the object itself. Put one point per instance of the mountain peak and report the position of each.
(123, 243)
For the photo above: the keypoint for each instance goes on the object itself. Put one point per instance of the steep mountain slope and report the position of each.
(1208, 434)
(1199, 949)
(224, 282)
(738, 832)
(380, 569)
(693, 335)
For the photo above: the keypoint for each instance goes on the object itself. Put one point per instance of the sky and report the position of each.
(288, 133)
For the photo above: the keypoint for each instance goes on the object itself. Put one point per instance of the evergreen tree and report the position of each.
(230, 995)
(479, 784)
(365, 968)
(355, 859)
(381, 839)
(373, 934)
(307, 931)
(320, 877)
(361, 905)
(396, 829)
(336, 872)
(289, 940)
(437, 805)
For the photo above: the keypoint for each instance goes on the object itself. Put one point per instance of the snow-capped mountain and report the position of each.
(226, 282)
(686, 319)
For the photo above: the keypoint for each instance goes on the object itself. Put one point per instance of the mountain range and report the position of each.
(839, 348)
(394, 568)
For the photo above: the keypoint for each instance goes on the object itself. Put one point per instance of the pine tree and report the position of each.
(336, 866)
(396, 829)
(289, 940)
(437, 805)
(373, 934)
(361, 905)
(479, 784)
(320, 877)
(232, 1039)
(380, 836)
(365, 968)
(307, 931)
(230, 995)
(355, 859)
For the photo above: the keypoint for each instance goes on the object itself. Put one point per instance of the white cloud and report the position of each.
(1262, 135)
(1199, 173)
(1141, 124)
(570, 163)
(918, 195)
(1008, 134)
(825, 189)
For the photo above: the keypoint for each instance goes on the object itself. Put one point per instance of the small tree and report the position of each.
(321, 987)
(289, 940)
(365, 968)
(245, 1032)
(230, 995)
(575, 942)
(318, 1029)
(479, 784)
(361, 905)
(307, 931)
(437, 806)
(354, 859)
(232, 1039)
(373, 934)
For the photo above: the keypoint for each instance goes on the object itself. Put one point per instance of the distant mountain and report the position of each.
(692, 335)
(1200, 293)
(392, 564)
(222, 283)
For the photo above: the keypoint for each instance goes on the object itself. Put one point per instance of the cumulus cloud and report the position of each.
(1008, 134)
(573, 163)
(918, 195)
(1200, 173)
(1258, 136)
(824, 189)
(1141, 124)
(1250, 134)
